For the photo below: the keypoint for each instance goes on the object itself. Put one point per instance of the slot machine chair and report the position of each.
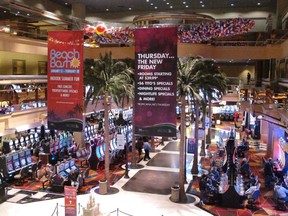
(57, 183)
(252, 201)
(20, 177)
(32, 173)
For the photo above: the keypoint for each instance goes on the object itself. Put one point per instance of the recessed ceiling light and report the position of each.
(107, 9)
(232, 4)
(258, 3)
(151, 4)
(28, 14)
(202, 5)
(130, 8)
(167, 3)
(66, 3)
(201, 2)
(171, 6)
(147, 0)
(5, 11)
(184, 2)
(155, 7)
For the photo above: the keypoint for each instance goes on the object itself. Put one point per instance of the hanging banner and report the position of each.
(191, 145)
(65, 80)
(70, 194)
(156, 81)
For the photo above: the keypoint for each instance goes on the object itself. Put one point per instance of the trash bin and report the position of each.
(103, 186)
(175, 194)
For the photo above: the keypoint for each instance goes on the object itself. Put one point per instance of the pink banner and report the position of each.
(155, 81)
(70, 194)
(65, 80)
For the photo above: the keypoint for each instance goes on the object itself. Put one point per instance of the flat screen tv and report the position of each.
(23, 162)
(28, 159)
(10, 167)
(16, 165)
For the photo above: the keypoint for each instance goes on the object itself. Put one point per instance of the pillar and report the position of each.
(79, 15)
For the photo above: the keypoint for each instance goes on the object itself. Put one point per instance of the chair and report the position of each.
(21, 176)
(252, 201)
(32, 173)
(85, 174)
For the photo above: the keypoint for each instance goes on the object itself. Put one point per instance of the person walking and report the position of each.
(147, 148)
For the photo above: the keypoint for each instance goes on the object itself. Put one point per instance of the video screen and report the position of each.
(22, 154)
(15, 157)
(28, 152)
(10, 167)
(23, 162)
(72, 163)
(60, 167)
(66, 165)
(28, 159)
(9, 159)
(16, 164)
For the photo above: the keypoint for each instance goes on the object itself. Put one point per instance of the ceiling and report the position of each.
(99, 6)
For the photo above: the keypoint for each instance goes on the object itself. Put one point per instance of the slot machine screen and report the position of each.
(11, 143)
(31, 138)
(72, 163)
(36, 137)
(9, 159)
(60, 167)
(67, 169)
(22, 154)
(22, 141)
(29, 159)
(10, 167)
(23, 162)
(27, 140)
(16, 164)
(16, 142)
(28, 152)
(15, 157)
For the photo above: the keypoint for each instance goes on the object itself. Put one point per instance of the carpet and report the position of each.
(150, 181)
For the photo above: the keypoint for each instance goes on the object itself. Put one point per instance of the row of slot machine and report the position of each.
(90, 131)
(11, 163)
(127, 131)
(24, 141)
(65, 167)
(61, 140)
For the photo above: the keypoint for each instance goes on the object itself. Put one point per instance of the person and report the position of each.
(73, 178)
(248, 78)
(268, 173)
(147, 149)
(139, 146)
(250, 191)
(280, 192)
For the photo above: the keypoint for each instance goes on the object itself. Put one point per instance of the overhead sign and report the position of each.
(156, 81)
(65, 80)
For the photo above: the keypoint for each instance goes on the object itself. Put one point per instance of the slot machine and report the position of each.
(61, 170)
(28, 156)
(32, 140)
(73, 164)
(22, 141)
(61, 141)
(9, 165)
(67, 167)
(27, 141)
(36, 137)
(11, 144)
(16, 162)
(22, 158)
(100, 150)
(86, 134)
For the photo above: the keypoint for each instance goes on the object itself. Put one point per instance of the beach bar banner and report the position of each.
(65, 80)
(70, 194)
(156, 81)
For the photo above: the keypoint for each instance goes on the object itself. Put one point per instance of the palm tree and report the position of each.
(186, 86)
(108, 79)
(214, 88)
